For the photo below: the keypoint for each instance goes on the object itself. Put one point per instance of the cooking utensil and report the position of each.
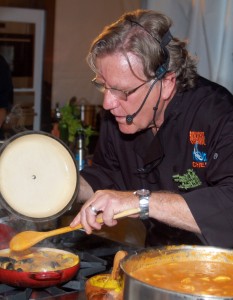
(27, 239)
(38, 176)
(116, 264)
(40, 279)
(135, 289)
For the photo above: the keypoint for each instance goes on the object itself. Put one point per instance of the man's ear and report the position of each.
(169, 85)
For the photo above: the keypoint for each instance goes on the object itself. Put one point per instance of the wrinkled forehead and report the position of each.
(119, 39)
(121, 63)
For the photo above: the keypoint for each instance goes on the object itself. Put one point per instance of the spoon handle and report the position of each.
(98, 219)
(116, 264)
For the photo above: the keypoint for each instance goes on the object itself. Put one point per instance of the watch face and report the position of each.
(143, 192)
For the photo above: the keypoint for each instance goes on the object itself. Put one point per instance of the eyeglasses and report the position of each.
(116, 92)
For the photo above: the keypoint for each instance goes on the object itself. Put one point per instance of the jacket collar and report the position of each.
(150, 147)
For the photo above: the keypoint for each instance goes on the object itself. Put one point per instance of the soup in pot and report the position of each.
(190, 277)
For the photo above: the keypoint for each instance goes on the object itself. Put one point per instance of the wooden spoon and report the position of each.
(27, 239)
(116, 264)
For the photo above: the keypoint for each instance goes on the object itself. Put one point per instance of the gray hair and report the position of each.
(140, 32)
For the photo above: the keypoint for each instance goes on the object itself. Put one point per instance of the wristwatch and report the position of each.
(144, 197)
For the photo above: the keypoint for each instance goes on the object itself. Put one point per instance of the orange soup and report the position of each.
(190, 277)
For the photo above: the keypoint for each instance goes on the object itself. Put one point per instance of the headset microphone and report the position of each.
(159, 72)
(129, 118)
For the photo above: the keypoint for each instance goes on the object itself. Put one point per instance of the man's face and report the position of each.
(115, 73)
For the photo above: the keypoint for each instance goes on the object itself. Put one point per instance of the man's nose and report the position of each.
(110, 101)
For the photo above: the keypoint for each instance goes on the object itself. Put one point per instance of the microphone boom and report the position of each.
(129, 118)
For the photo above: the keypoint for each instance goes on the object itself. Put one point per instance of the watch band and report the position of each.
(144, 198)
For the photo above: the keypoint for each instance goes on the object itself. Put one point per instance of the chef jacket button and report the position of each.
(215, 155)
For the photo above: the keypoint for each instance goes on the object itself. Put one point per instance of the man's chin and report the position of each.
(127, 129)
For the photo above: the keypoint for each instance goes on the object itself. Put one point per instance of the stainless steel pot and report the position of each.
(137, 289)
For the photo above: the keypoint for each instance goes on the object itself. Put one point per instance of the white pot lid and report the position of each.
(38, 176)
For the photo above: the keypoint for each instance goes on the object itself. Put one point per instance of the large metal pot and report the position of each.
(39, 279)
(135, 289)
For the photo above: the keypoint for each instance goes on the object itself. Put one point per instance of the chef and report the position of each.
(166, 140)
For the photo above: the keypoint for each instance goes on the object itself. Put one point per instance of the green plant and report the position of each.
(70, 118)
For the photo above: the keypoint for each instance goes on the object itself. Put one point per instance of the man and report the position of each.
(167, 134)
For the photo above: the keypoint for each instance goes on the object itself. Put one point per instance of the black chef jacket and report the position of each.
(196, 137)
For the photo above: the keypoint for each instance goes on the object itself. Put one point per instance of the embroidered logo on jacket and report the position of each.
(188, 180)
(197, 138)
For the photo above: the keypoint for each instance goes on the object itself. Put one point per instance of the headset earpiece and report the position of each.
(161, 71)
(167, 37)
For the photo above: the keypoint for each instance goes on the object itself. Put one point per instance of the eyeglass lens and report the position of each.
(115, 92)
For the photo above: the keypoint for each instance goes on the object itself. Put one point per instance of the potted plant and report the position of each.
(71, 126)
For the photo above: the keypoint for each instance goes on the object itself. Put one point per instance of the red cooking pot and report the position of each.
(39, 279)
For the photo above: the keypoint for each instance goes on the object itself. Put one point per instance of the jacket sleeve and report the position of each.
(212, 205)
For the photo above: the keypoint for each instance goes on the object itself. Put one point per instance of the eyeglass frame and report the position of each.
(102, 88)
